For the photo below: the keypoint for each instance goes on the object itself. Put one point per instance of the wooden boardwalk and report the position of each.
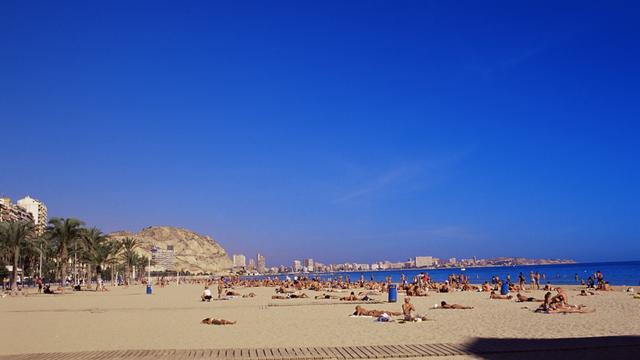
(481, 347)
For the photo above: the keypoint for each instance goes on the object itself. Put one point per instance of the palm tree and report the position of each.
(93, 241)
(141, 262)
(64, 233)
(16, 236)
(113, 250)
(129, 246)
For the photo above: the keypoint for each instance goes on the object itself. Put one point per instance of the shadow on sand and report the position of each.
(606, 347)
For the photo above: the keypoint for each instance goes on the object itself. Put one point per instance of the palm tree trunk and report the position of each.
(14, 271)
(64, 259)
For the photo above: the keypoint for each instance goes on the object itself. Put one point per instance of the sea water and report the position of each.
(616, 273)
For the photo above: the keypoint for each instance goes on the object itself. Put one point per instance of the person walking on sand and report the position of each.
(220, 287)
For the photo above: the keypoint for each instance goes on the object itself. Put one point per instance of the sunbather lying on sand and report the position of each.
(290, 296)
(522, 298)
(249, 295)
(353, 297)
(327, 297)
(444, 305)
(360, 311)
(587, 293)
(212, 321)
(499, 297)
(298, 296)
(232, 293)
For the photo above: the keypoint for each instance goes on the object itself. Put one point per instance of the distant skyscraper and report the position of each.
(252, 265)
(38, 211)
(297, 266)
(239, 261)
(308, 263)
(262, 264)
(422, 261)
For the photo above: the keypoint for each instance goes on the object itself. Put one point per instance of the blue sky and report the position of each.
(338, 130)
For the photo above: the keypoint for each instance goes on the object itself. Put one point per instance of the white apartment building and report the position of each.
(239, 261)
(38, 211)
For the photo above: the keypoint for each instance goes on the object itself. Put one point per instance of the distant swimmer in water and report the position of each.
(212, 321)
(444, 305)
(522, 298)
(499, 297)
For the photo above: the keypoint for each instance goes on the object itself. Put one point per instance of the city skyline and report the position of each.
(344, 131)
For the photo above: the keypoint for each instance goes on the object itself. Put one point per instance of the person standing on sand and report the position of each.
(532, 280)
(220, 287)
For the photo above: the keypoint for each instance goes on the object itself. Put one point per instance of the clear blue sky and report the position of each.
(335, 130)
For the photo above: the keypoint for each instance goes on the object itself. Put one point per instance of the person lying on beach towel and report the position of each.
(290, 296)
(495, 296)
(249, 295)
(587, 293)
(232, 293)
(299, 296)
(444, 305)
(353, 297)
(212, 321)
(360, 311)
(522, 298)
(327, 297)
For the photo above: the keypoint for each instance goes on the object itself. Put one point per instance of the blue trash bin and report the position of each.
(504, 290)
(393, 293)
(149, 290)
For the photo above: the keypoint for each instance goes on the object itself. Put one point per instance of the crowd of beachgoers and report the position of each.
(555, 301)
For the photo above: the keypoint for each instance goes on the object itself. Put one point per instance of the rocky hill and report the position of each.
(193, 252)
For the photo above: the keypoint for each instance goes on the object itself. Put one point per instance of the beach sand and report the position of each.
(127, 318)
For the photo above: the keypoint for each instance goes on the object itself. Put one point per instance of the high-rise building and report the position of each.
(261, 263)
(38, 211)
(422, 261)
(308, 263)
(297, 266)
(10, 212)
(252, 265)
(239, 261)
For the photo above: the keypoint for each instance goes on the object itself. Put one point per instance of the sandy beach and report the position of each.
(127, 318)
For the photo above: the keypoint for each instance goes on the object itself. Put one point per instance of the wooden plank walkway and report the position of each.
(480, 347)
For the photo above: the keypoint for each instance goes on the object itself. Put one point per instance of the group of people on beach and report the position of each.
(362, 291)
